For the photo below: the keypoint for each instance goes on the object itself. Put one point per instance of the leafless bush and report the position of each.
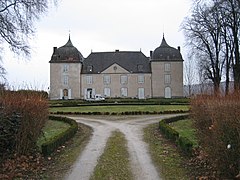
(32, 109)
(217, 120)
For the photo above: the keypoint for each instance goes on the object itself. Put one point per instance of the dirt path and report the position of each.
(131, 126)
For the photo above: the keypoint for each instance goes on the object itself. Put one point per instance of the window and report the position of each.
(141, 93)
(168, 92)
(89, 79)
(65, 68)
(140, 68)
(141, 79)
(167, 78)
(65, 80)
(106, 79)
(124, 92)
(124, 79)
(167, 67)
(89, 68)
(107, 92)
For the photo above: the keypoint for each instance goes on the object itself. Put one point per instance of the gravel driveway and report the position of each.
(131, 127)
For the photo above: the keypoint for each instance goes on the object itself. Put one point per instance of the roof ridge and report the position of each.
(118, 52)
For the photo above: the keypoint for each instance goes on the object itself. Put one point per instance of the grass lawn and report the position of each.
(121, 108)
(114, 163)
(52, 129)
(61, 161)
(185, 129)
(165, 155)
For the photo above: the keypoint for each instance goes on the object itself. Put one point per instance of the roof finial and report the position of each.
(69, 31)
(163, 30)
(69, 43)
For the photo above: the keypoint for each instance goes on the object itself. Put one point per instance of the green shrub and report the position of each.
(51, 145)
(169, 132)
(176, 118)
(185, 144)
(69, 103)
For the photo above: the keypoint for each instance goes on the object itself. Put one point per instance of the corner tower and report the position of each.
(167, 71)
(65, 71)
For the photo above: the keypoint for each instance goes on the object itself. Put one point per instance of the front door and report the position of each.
(65, 94)
(89, 93)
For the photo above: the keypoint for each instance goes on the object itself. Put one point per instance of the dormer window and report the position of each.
(140, 68)
(89, 69)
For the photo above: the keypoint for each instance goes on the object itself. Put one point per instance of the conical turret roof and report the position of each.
(166, 52)
(67, 54)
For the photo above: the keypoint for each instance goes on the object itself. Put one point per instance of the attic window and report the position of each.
(89, 68)
(140, 68)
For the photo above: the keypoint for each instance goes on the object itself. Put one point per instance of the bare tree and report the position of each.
(17, 22)
(203, 35)
(228, 20)
(189, 75)
(2, 75)
(231, 22)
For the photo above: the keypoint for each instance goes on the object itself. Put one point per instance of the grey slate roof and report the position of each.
(129, 60)
(66, 54)
(165, 52)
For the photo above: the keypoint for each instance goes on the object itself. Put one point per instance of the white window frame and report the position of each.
(65, 80)
(89, 79)
(141, 91)
(167, 78)
(107, 92)
(65, 68)
(141, 79)
(124, 92)
(124, 79)
(106, 79)
(167, 67)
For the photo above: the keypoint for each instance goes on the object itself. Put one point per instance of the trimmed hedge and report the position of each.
(51, 145)
(184, 143)
(119, 101)
(121, 113)
(169, 132)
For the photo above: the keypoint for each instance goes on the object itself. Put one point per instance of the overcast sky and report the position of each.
(98, 25)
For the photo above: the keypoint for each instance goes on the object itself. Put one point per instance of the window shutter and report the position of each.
(69, 94)
(61, 94)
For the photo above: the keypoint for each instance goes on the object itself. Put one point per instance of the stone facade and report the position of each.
(118, 74)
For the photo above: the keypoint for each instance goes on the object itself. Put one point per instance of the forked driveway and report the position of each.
(131, 127)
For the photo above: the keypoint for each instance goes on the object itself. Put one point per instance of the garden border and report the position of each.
(184, 143)
(51, 145)
(121, 113)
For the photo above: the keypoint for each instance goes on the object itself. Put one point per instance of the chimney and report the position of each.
(54, 49)
(179, 48)
(151, 52)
